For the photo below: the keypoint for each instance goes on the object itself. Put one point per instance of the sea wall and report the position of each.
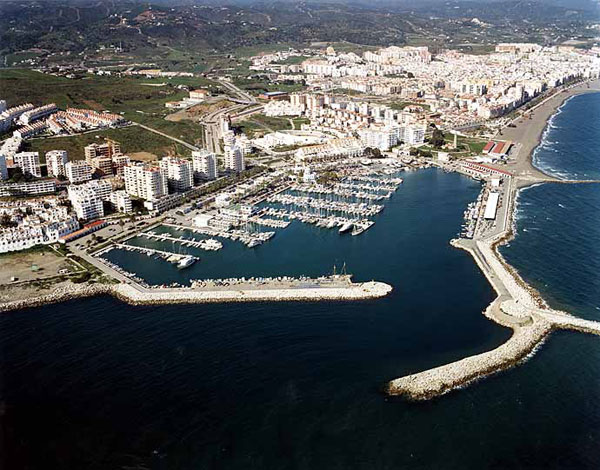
(440, 380)
(138, 296)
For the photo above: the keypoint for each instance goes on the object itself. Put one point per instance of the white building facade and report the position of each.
(55, 162)
(204, 164)
(145, 182)
(29, 162)
(178, 172)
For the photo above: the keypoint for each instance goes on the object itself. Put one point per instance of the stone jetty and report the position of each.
(518, 306)
(138, 295)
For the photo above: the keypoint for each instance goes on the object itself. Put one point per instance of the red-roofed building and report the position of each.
(483, 171)
(87, 229)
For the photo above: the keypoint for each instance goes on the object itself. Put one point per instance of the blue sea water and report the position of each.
(569, 147)
(98, 384)
(557, 246)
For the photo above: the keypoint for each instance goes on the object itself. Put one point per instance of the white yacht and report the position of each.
(186, 262)
(346, 227)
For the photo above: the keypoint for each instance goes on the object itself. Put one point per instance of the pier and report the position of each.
(361, 209)
(250, 239)
(208, 245)
(343, 224)
(168, 255)
(327, 288)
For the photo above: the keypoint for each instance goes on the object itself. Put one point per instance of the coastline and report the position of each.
(529, 133)
(518, 305)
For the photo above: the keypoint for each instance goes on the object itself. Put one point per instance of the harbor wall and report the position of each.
(138, 296)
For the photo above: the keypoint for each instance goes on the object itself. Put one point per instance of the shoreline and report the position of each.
(518, 305)
(529, 133)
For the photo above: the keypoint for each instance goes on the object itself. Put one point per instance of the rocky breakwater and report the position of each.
(61, 293)
(353, 291)
(137, 295)
(518, 306)
(440, 380)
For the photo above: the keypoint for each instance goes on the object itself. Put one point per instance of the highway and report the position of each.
(211, 122)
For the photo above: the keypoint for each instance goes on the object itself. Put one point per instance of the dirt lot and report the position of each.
(20, 265)
(143, 156)
(198, 111)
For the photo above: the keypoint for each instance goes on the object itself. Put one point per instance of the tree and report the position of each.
(437, 138)
(18, 175)
(373, 152)
(6, 220)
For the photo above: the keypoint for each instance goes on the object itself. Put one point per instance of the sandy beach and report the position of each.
(528, 132)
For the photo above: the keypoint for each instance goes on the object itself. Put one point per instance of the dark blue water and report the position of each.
(99, 384)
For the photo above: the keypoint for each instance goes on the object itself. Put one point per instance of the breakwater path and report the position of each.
(517, 306)
(135, 294)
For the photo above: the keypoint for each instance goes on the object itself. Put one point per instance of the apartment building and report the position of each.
(413, 134)
(234, 159)
(204, 164)
(88, 199)
(145, 181)
(86, 203)
(121, 201)
(55, 162)
(37, 113)
(10, 147)
(9, 115)
(107, 149)
(179, 173)
(39, 221)
(380, 136)
(78, 172)
(119, 162)
(32, 188)
(29, 162)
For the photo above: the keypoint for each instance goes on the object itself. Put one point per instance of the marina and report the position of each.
(362, 209)
(250, 239)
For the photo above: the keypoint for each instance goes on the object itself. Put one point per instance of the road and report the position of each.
(239, 92)
(212, 123)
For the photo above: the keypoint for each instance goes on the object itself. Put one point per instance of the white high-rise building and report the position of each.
(78, 172)
(121, 201)
(234, 159)
(55, 162)
(86, 202)
(3, 169)
(145, 182)
(178, 172)
(204, 164)
(29, 162)
(414, 134)
(379, 136)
